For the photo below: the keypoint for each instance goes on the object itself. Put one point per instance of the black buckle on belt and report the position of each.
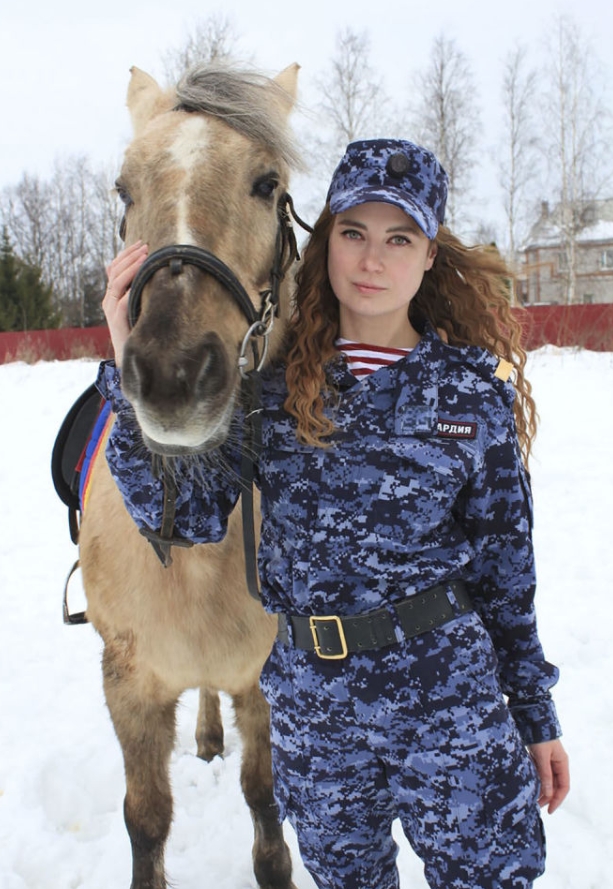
(332, 637)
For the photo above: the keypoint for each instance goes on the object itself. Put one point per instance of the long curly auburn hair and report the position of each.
(465, 296)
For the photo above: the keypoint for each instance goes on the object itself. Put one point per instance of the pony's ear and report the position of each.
(145, 99)
(288, 81)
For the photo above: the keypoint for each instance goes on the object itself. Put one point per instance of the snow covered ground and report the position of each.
(61, 776)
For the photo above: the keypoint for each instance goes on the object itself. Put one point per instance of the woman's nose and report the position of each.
(371, 257)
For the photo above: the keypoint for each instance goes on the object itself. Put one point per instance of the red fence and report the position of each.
(584, 326)
(50, 345)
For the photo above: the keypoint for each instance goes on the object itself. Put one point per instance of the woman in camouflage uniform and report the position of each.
(408, 680)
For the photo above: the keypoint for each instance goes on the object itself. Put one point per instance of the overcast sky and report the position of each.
(64, 70)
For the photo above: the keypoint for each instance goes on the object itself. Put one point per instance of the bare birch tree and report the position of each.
(213, 39)
(518, 162)
(447, 118)
(24, 210)
(575, 128)
(351, 103)
(351, 92)
(66, 226)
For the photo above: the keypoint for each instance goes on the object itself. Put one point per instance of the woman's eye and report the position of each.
(400, 240)
(351, 234)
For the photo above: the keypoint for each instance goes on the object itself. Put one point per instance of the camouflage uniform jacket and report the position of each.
(423, 483)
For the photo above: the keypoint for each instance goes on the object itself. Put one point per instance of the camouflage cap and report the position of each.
(393, 171)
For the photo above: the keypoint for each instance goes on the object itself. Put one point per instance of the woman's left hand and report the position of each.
(551, 761)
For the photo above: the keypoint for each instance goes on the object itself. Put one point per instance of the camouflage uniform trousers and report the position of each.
(418, 731)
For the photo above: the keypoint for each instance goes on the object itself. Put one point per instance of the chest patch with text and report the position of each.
(456, 429)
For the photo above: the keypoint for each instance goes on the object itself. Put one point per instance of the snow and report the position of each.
(550, 235)
(599, 231)
(61, 775)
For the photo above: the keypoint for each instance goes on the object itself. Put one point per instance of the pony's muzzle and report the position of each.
(174, 385)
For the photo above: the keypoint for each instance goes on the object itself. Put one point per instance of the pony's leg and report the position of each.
(144, 721)
(209, 727)
(271, 858)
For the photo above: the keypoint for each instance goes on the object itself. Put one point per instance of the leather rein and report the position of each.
(175, 257)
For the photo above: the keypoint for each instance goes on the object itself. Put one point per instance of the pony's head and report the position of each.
(204, 183)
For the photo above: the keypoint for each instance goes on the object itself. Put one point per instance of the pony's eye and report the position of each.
(123, 194)
(265, 186)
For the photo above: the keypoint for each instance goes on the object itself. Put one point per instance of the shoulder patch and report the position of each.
(504, 370)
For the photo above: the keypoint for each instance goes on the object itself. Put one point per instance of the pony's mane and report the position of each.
(241, 98)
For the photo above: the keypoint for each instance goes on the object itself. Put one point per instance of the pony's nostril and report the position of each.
(206, 362)
(137, 375)
(211, 376)
(143, 375)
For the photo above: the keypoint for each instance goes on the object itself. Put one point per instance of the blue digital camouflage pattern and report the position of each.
(393, 171)
(422, 484)
(420, 732)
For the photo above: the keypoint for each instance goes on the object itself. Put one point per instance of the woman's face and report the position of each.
(377, 256)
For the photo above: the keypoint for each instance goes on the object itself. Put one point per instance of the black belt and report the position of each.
(334, 637)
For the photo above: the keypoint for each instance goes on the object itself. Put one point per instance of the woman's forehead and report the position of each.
(378, 212)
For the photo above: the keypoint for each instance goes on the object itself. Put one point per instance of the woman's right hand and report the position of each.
(120, 274)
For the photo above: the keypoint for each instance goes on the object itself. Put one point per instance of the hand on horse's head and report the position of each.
(120, 275)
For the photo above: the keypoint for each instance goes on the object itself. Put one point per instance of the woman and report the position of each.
(408, 679)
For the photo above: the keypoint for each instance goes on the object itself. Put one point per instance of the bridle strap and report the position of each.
(286, 252)
(175, 257)
(252, 445)
(162, 541)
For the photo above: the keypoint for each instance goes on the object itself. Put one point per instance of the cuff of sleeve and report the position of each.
(536, 721)
(108, 384)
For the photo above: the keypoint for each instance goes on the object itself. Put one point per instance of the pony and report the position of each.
(204, 184)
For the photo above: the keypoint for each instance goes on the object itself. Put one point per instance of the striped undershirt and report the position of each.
(363, 359)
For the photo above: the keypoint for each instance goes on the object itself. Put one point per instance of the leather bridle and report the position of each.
(175, 257)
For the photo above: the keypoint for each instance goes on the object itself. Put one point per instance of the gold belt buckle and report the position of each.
(341, 635)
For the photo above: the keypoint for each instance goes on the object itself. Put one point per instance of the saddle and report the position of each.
(76, 445)
(80, 438)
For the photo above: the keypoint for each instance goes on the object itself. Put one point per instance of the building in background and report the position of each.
(550, 255)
